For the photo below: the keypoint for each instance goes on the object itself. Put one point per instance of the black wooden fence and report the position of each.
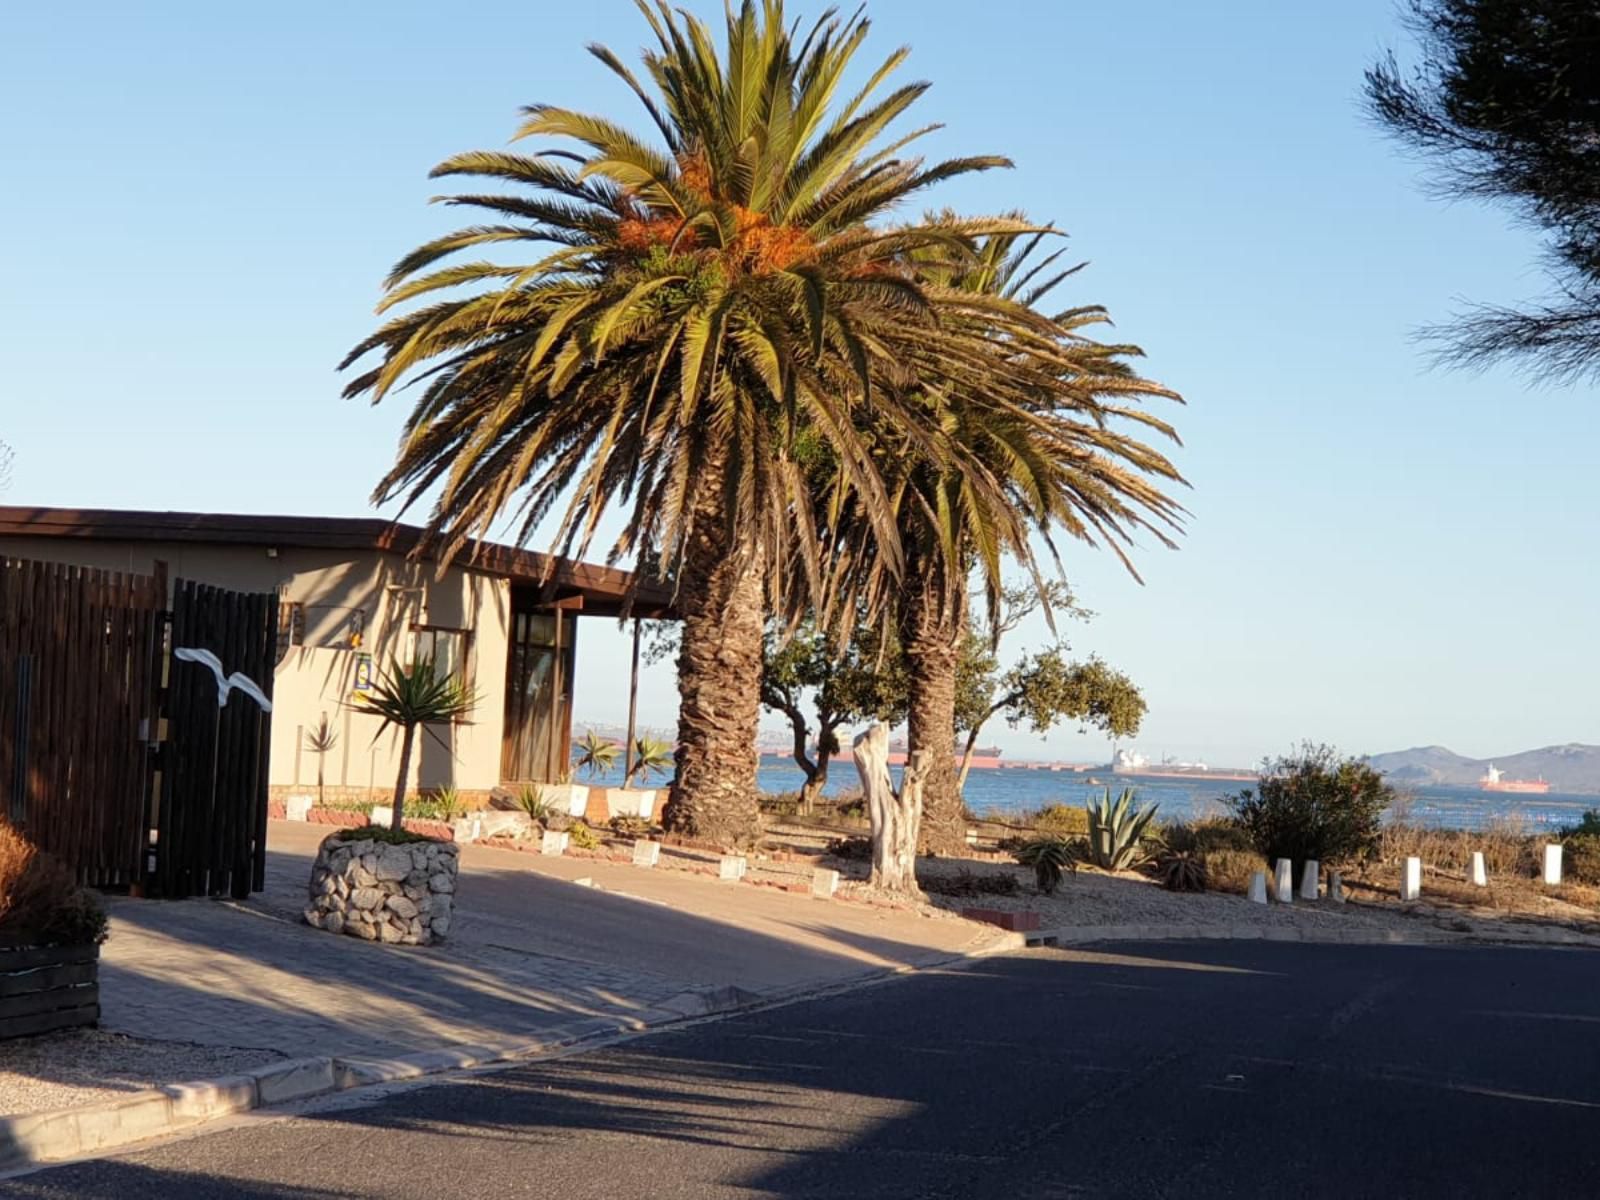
(211, 819)
(79, 673)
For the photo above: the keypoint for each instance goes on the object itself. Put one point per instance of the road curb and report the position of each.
(32, 1140)
(1083, 934)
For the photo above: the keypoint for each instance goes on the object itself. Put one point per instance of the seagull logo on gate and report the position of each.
(225, 685)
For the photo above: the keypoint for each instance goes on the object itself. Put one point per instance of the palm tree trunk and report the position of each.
(932, 626)
(722, 597)
(406, 740)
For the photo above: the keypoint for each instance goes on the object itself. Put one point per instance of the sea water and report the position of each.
(1013, 789)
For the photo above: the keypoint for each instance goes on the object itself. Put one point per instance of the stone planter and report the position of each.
(381, 892)
(43, 988)
(631, 802)
(569, 798)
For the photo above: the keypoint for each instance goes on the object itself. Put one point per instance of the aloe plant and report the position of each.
(596, 755)
(1050, 858)
(1117, 831)
(532, 801)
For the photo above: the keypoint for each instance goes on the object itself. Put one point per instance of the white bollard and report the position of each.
(381, 814)
(824, 883)
(553, 842)
(298, 808)
(1258, 887)
(1411, 882)
(1283, 882)
(731, 866)
(1336, 887)
(1311, 880)
(1480, 877)
(1552, 863)
(646, 853)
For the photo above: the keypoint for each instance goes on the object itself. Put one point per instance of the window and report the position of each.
(450, 650)
(291, 626)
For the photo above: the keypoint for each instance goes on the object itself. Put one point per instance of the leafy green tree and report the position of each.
(695, 303)
(1505, 105)
(410, 698)
(844, 685)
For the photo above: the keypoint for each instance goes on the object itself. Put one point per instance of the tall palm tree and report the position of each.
(1058, 454)
(700, 305)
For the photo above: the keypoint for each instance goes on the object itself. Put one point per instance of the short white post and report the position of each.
(731, 866)
(1283, 882)
(1311, 880)
(553, 842)
(298, 808)
(1411, 882)
(824, 883)
(1552, 863)
(1258, 887)
(646, 853)
(1336, 887)
(1480, 877)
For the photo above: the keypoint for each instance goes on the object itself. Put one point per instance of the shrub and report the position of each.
(40, 900)
(629, 827)
(1580, 857)
(968, 883)
(779, 804)
(1183, 872)
(382, 833)
(1117, 831)
(1062, 820)
(583, 837)
(1230, 870)
(1314, 805)
(1050, 858)
(1205, 835)
(1589, 823)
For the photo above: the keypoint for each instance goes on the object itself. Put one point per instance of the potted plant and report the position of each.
(650, 757)
(50, 935)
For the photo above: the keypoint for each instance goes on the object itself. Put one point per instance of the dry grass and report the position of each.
(1508, 849)
(1230, 870)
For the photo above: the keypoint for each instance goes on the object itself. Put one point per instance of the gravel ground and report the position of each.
(82, 1066)
(1093, 898)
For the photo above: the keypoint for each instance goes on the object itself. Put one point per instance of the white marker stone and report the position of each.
(1283, 882)
(646, 853)
(1258, 887)
(1552, 863)
(1480, 877)
(298, 808)
(1411, 882)
(731, 866)
(381, 814)
(1311, 880)
(1336, 887)
(553, 842)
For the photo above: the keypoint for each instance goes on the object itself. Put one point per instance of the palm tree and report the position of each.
(411, 698)
(596, 754)
(319, 739)
(1038, 448)
(703, 305)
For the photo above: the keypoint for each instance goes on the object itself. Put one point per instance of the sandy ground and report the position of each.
(80, 1066)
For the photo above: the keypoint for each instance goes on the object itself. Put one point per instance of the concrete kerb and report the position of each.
(32, 1140)
(1361, 936)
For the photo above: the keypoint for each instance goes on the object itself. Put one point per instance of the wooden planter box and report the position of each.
(48, 987)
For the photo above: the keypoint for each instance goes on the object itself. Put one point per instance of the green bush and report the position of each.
(1314, 805)
(1205, 835)
(1063, 820)
(1588, 824)
(583, 837)
(1580, 857)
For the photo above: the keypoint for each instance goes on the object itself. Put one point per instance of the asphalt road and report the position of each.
(1182, 1069)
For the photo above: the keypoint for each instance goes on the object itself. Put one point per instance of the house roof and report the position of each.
(605, 590)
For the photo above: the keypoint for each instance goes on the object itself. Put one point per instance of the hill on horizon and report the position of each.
(1573, 767)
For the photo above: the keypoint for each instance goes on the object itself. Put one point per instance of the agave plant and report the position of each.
(596, 754)
(531, 800)
(1117, 831)
(1183, 872)
(651, 757)
(412, 697)
(1050, 858)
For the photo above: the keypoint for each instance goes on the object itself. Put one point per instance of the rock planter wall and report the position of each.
(383, 893)
(48, 987)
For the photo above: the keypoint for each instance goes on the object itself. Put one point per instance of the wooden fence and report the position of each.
(79, 658)
(211, 822)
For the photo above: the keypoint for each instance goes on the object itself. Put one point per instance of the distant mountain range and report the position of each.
(1570, 768)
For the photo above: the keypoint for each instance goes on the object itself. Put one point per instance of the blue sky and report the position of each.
(201, 199)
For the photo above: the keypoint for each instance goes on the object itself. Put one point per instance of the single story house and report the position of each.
(353, 597)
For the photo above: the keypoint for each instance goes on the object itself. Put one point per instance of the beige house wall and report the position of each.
(319, 676)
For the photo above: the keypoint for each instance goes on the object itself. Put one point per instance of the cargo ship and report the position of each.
(1494, 780)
